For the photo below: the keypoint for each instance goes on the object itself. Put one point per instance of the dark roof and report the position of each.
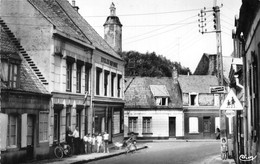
(114, 20)
(59, 18)
(28, 80)
(68, 20)
(197, 83)
(208, 66)
(139, 94)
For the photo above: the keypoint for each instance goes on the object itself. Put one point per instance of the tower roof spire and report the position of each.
(112, 9)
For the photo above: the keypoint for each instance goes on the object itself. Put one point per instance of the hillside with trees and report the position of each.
(150, 65)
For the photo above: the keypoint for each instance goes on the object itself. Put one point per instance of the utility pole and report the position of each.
(217, 30)
(223, 125)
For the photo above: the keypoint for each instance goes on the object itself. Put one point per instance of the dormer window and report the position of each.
(162, 101)
(10, 71)
(193, 99)
(161, 94)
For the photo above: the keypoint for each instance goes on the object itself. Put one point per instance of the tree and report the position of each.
(150, 65)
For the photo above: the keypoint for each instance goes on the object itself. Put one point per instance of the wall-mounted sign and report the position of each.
(217, 89)
(231, 102)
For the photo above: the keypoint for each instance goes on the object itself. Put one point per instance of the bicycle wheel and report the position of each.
(68, 150)
(58, 152)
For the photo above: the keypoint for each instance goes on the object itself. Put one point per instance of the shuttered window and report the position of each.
(43, 126)
(12, 131)
(193, 125)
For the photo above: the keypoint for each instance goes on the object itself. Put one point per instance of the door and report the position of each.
(172, 126)
(30, 136)
(206, 127)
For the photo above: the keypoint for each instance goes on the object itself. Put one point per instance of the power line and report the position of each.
(157, 13)
(222, 14)
(140, 14)
(172, 45)
(159, 28)
(154, 25)
(227, 22)
(153, 35)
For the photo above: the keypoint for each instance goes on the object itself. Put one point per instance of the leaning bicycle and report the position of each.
(62, 149)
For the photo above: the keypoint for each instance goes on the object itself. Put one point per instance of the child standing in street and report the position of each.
(93, 143)
(85, 139)
(99, 142)
(89, 143)
(106, 137)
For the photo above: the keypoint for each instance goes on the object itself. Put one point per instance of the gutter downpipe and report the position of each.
(245, 120)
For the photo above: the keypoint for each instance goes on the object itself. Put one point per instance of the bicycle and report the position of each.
(62, 149)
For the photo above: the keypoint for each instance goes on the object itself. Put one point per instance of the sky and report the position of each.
(166, 27)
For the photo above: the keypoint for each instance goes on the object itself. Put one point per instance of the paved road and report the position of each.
(168, 152)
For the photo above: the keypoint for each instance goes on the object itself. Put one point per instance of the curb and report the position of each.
(147, 141)
(107, 156)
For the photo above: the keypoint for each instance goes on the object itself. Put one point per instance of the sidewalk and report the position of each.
(84, 158)
(217, 160)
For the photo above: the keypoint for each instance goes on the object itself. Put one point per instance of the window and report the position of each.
(119, 77)
(217, 123)
(147, 124)
(162, 101)
(13, 75)
(9, 73)
(193, 99)
(78, 82)
(87, 75)
(12, 131)
(193, 125)
(68, 116)
(112, 84)
(43, 126)
(116, 122)
(106, 82)
(78, 120)
(56, 126)
(69, 76)
(132, 124)
(98, 74)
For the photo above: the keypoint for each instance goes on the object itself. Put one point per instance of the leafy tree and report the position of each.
(150, 65)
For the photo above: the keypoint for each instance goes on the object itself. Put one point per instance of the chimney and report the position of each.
(175, 75)
(74, 5)
(212, 64)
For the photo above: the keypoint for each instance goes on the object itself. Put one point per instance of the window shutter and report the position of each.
(51, 127)
(24, 130)
(73, 118)
(63, 125)
(3, 130)
(82, 123)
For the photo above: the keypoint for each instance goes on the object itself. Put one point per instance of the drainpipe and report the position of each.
(237, 82)
(245, 120)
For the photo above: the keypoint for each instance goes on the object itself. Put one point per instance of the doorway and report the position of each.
(206, 127)
(172, 126)
(30, 137)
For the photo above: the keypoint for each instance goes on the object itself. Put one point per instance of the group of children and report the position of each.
(96, 143)
(99, 143)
